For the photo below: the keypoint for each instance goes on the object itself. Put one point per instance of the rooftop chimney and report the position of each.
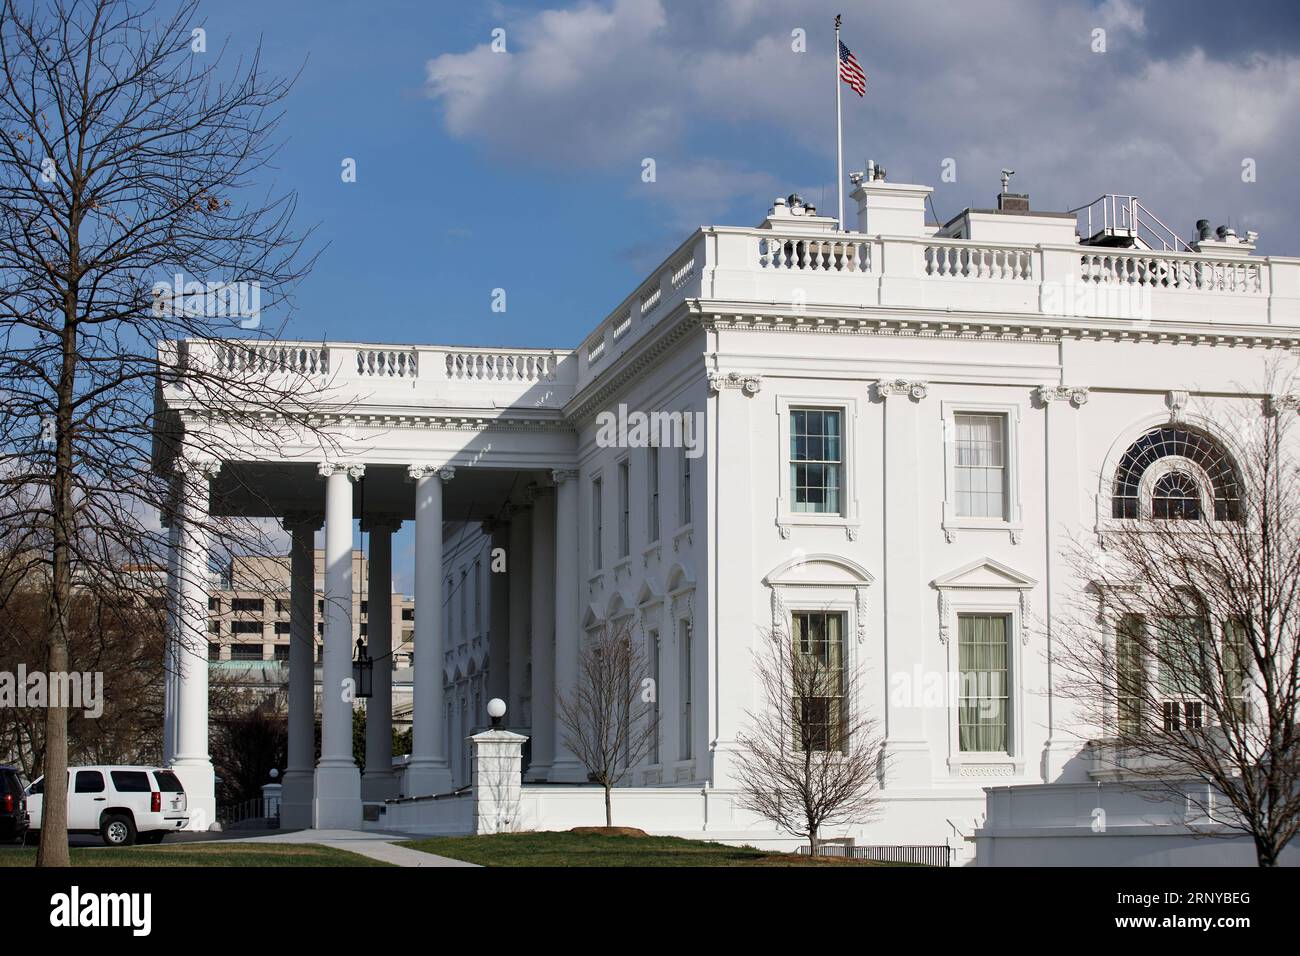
(1013, 202)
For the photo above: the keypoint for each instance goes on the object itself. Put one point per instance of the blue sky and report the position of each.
(522, 171)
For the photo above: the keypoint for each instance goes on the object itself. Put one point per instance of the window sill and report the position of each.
(985, 765)
(623, 566)
(595, 581)
(953, 526)
(649, 552)
(786, 522)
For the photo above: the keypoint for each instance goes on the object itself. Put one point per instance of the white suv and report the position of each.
(124, 805)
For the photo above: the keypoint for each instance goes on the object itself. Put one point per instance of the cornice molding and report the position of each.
(923, 324)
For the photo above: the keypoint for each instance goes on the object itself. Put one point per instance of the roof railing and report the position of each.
(1117, 216)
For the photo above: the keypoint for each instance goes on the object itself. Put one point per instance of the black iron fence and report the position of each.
(934, 855)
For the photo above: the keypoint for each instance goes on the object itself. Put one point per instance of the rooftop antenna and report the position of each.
(1006, 178)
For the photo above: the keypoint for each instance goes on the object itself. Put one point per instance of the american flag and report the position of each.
(851, 72)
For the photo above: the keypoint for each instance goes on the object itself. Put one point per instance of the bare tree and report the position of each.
(1184, 649)
(811, 757)
(130, 215)
(609, 719)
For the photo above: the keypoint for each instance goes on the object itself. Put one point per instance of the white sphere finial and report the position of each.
(496, 708)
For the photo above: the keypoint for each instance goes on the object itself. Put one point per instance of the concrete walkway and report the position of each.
(377, 845)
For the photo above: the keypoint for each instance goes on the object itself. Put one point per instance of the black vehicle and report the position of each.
(13, 806)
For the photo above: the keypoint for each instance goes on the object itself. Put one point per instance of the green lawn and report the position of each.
(216, 853)
(589, 849)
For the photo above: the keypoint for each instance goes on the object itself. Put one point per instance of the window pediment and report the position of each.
(985, 573)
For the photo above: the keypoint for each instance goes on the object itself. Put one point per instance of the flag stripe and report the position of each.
(851, 71)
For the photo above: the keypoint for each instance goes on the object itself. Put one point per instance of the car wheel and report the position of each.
(118, 830)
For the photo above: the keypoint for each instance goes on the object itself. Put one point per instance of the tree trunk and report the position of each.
(812, 842)
(53, 849)
(609, 809)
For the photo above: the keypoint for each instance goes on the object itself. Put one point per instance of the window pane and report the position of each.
(815, 460)
(978, 465)
(984, 702)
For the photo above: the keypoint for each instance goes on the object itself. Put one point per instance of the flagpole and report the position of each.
(839, 133)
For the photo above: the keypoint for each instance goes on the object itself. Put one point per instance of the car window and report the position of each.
(130, 781)
(38, 787)
(89, 781)
(168, 782)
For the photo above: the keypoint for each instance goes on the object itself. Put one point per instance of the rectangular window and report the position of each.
(246, 605)
(245, 627)
(685, 503)
(818, 681)
(281, 606)
(624, 517)
(597, 526)
(214, 652)
(245, 652)
(816, 460)
(685, 690)
(983, 703)
(654, 706)
(214, 627)
(282, 627)
(408, 614)
(281, 652)
(1128, 675)
(979, 467)
(214, 604)
(478, 597)
(1236, 665)
(652, 494)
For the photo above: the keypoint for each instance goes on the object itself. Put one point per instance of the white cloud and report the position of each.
(601, 85)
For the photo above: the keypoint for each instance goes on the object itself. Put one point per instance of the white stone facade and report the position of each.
(998, 332)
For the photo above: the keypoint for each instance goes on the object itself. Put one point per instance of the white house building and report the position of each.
(884, 437)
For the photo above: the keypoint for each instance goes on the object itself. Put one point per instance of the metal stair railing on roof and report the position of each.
(1113, 219)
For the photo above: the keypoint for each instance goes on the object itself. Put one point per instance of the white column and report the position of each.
(191, 761)
(299, 781)
(170, 675)
(566, 768)
(378, 782)
(1064, 511)
(337, 804)
(907, 750)
(543, 633)
(517, 564)
(498, 679)
(722, 690)
(428, 772)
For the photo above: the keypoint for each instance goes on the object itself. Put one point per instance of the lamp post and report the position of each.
(363, 671)
(496, 709)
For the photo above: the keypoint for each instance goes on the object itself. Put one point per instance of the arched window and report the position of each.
(1176, 495)
(1175, 472)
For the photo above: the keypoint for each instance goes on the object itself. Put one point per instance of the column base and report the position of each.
(337, 803)
(907, 764)
(378, 785)
(200, 783)
(427, 778)
(567, 771)
(299, 790)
